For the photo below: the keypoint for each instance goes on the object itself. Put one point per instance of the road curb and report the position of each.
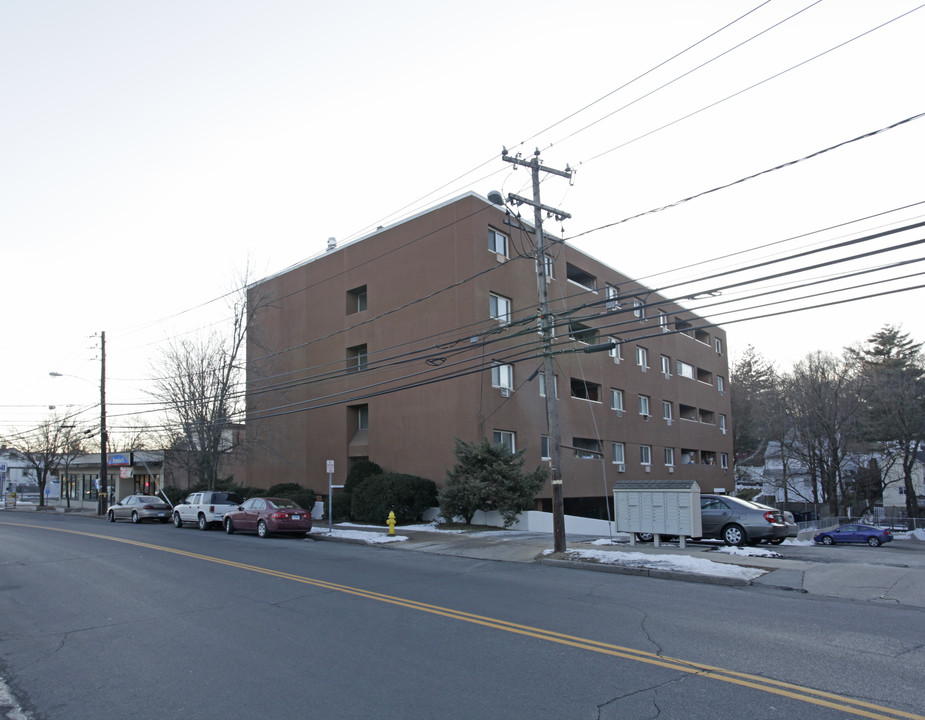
(645, 572)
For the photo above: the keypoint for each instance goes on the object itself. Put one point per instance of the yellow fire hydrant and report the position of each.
(391, 522)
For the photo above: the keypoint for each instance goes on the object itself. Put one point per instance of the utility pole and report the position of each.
(102, 498)
(546, 326)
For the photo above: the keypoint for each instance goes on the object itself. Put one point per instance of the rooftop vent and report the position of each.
(332, 243)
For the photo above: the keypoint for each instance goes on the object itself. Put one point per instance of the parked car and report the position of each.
(268, 516)
(793, 530)
(139, 507)
(205, 508)
(855, 533)
(737, 522)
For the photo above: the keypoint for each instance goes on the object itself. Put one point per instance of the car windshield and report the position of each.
(285, 504)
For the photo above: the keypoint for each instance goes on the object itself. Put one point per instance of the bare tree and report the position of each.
(43, 446)
(824, 400)
(199, 381)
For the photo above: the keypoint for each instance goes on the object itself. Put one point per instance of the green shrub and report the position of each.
(359, 471)
(407, 496)
(341, 510)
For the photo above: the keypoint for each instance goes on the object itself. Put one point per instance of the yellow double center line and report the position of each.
(755, 682)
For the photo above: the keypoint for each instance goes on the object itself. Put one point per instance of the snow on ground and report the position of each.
(679, 563)
(370, 538)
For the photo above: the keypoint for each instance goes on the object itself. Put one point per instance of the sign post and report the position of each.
(330, 469)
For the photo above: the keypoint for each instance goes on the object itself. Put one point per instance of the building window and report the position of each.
(722, 423)
(685, 369)
(644, 405)
(616, 399)
(356, 300)
(645, 454)
(548, 268)
(719, 383)
(357, 358)
(666, 366)
(362, 417)
(613, 297)
(724, 461)
(579, 332)
(580, 277)
(617, 453)
(545, 452)
(639, 309)
(616, 352)
(499, 308)
(702, 336)
(669, 457)
(497, 242)
(718, 344)
(642, 357)
(587, 448)
(555, 385)
(666, 410)
(504, 437)
(584, 390)
(663, 320)
(502, 376)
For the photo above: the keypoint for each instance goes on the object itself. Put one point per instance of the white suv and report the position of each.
(205, 508)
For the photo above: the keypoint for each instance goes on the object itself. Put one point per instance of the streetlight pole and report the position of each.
(546, 327)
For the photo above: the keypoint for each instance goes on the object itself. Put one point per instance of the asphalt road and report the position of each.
(111, 621)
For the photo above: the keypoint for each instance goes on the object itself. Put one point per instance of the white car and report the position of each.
(206, 508)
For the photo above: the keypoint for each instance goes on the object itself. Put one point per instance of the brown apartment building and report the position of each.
(391, 346)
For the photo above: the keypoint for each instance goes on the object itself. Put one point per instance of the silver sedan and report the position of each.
(138, 508)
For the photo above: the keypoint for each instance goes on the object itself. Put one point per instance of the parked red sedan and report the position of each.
(268, 516)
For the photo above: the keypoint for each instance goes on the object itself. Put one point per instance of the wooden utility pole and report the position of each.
(102, 498)
(547, 325)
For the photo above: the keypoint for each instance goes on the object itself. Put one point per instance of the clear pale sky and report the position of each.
(152, 150)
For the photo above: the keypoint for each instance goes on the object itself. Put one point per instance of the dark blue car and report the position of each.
(854, 533)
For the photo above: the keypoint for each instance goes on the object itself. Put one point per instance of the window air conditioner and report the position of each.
(644, 368)
(668, 420)
(668, 376)
(619, 413)
(671, 468)
(505, 392)
(648, 468)
(621, 468)
(724, 431)
(616, 360)
(645, 418)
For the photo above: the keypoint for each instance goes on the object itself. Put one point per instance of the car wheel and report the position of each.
(827, 540)
(734, 535)
(112, 517)
(135, 518)
(203, 525)
(777, 541)
(873, 542)
(229, 526)
(645, 537)
(177, 522)
(262, 529)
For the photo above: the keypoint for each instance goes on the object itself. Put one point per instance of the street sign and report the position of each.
(330, 464)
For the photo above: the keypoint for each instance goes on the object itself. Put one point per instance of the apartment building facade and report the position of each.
(389, 347)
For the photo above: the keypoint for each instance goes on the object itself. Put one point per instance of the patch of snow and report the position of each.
(680, 563)
(748, 551)
(371, 538)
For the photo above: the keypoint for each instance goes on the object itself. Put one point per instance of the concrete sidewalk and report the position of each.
(853, 581)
